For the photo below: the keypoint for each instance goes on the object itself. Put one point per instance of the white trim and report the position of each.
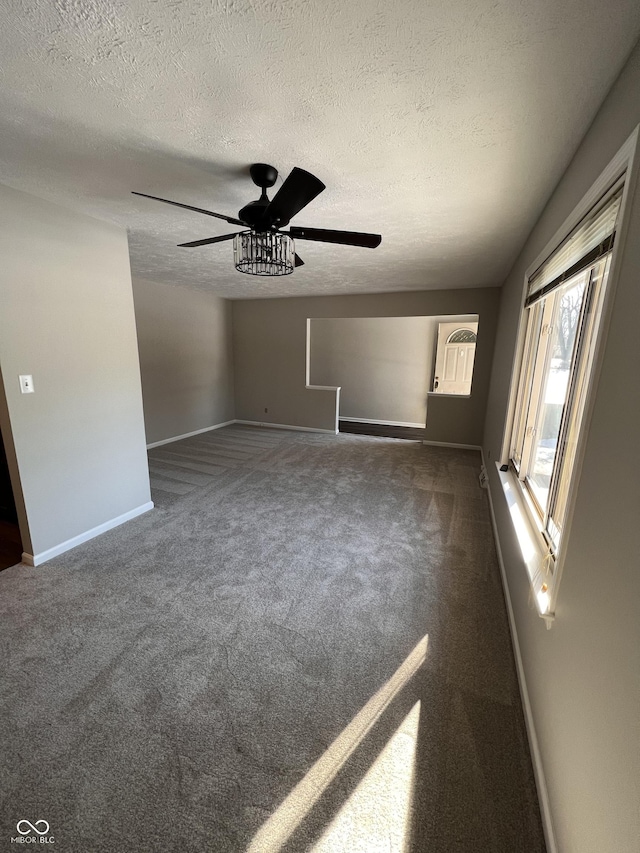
(43, 556)
(529, 535)
(188, 434)
(452, 444)
(284, 426)
(382, 423)
(322, 387)
(442, 394)
(307, 355)
(307, 377)
(536, 757)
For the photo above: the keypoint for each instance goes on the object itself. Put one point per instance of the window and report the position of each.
(462, 336)
(549, 401)
(562, 313)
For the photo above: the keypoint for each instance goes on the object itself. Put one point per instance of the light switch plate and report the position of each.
(26, 384)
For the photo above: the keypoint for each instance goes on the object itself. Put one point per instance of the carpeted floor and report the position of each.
(303, 647)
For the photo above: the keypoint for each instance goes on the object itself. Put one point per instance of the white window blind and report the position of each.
(591, 239)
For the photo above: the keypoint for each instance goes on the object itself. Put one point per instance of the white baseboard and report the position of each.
(382, 423)
(536, 757)
(284, 426)
(451, 444)
(43, 556)
(188, 434)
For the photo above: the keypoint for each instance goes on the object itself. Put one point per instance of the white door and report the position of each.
(454, 358)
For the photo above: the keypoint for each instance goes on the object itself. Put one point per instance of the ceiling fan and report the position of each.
(265, 249)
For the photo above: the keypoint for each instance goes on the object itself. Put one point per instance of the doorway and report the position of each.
(10, 540)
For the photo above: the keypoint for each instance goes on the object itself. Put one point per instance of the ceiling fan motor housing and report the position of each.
(253, 213)
(263, 176)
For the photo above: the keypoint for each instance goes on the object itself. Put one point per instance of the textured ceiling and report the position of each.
(442, 124)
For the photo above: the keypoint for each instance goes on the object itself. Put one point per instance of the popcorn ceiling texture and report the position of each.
(443, 125)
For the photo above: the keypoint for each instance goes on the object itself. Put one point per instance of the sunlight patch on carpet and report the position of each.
(371, 797)
(377, 816)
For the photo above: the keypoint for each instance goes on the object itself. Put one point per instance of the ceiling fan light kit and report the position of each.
(263, 253)
(265, 249)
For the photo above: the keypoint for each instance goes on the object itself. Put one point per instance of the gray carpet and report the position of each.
(244, 667)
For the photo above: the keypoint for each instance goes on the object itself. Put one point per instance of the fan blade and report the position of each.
(229, 219)
(207, 241)
(299, 188)
(297, 261)
(345, 238)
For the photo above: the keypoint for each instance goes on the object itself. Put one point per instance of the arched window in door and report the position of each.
(462, 336)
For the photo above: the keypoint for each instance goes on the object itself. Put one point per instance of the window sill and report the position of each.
(532, 543)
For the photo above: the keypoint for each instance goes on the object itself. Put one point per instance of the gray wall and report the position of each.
(67, 318)
(383, 365)
(583, 675)
(184, 337)
(270, 356)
